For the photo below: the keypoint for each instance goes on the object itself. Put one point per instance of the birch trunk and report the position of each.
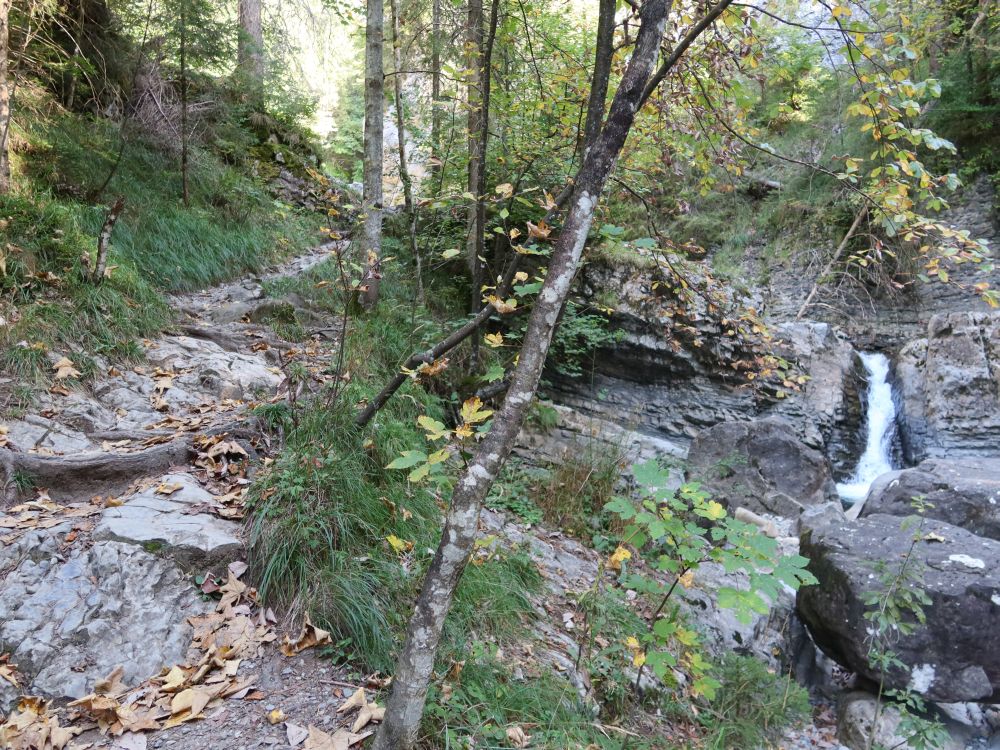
(104, 240)
(405, 707)
(5, 88)
(371, 235)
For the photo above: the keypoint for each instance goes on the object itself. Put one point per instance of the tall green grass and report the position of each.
(322, 514)
(232, 227)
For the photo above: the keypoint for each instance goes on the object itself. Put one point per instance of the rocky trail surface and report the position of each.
(122, 609)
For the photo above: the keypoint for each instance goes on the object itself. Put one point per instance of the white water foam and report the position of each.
(880, 421)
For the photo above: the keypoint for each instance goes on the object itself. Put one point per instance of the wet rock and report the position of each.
(70, 616)
(949, 385)
(964, 492)
(955, 655)
(171, 525)
(761, 466)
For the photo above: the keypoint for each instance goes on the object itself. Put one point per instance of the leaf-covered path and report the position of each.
(121, 546)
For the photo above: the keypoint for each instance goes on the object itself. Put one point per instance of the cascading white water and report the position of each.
(880, 422)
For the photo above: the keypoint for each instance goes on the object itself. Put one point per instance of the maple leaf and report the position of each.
(309, 637)
(401, 546)
(620, 556)
(340, 740)
(8, 671)
(539, 231)
(501, 306)
(495, 340)
(64, 369)
(473, 411)
(517, 737)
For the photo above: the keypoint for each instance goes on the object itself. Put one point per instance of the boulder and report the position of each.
(955, 654)
(860, 720)
(761, 466)
(170, 523)
(69, 614)
(963, 491)
(949, 386)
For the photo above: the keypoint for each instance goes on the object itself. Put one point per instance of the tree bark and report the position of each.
(474, 125)
(371, 235)
(104, 240)
(250, 48)
(185, 190)
(416, 661)
(404, 172)
(479, 130)
(437, 165)
(603, 56)
(4, 96)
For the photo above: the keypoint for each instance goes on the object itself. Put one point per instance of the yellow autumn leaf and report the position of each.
(434, 429)
(620, 555)
(473, 411)
(401, 546)
(495, 340)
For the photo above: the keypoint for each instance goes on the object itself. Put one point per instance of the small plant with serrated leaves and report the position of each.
(675, 532)
(895, 610)
(429, 465)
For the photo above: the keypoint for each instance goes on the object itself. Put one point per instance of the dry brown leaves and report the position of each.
(30, 726)
(310, 637)
(41, 513)
(183, 693)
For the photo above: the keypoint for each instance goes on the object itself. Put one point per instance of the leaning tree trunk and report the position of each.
(371, 235)
(416, 661)
(603, 56)
(250, 48)
(4, 96)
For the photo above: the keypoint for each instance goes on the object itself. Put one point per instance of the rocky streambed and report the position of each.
(783, 459)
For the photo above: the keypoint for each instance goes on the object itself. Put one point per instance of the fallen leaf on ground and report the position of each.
(355, 701)
(112, 684)
(340, 740)
(276, 716)
(64, 369)
(369, 713)
(168, 489)
(517, 737)
(295, 734)
(309, 637)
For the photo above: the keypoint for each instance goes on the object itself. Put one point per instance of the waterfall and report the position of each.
(880, 422)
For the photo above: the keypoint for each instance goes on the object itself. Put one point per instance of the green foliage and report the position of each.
(336, 531)
(752, 704)
(476, 708)
(675, 532)
(895, 610)
(580, 335)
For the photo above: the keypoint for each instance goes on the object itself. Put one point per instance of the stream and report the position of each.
(880, 426)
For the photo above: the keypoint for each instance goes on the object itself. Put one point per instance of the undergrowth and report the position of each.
(50, 227)
(325, 512)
